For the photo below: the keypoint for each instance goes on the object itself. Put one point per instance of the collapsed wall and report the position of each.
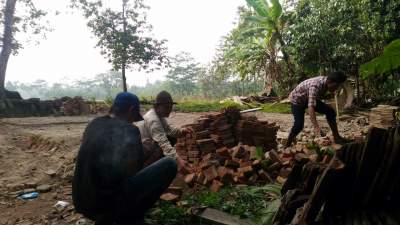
(65, 106)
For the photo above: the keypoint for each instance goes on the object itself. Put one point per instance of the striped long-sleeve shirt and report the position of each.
(308, 91)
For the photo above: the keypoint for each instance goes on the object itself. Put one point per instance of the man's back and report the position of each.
(307, 90)
(111, 151)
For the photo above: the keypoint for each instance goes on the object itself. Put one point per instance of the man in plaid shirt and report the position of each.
(308, 95)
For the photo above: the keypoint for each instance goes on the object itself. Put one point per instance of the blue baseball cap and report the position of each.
(124, 100)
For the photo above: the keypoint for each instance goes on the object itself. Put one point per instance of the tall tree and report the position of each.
(7, 41)
(124, 35)
(183, 74)
(28, 21)
(341, 34)
(270, 21)
(252, 49)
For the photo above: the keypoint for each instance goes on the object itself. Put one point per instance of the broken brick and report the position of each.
(232, 163)
(216, 186)
(189, 179)
(223, 152)
(247, 171)
(169, 197)
(210, 173)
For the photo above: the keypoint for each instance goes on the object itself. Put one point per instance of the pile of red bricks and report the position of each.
(227, 148)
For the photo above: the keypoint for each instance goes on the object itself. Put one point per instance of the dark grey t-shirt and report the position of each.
(111, 151)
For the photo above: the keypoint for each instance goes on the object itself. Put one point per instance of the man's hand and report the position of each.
(318, 131)
(184, 166)
(187, 130)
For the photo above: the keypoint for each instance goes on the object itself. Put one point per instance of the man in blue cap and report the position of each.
(110, 185)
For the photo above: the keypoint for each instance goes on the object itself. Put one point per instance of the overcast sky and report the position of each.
(195, 26)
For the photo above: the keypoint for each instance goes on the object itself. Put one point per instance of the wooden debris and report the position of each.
(382, 116)
(359, 176)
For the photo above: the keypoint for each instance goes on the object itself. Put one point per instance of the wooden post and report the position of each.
(337, 107)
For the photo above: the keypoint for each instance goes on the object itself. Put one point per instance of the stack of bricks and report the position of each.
(251, 131)
(223, 149)
(225, 129)
(211, 132)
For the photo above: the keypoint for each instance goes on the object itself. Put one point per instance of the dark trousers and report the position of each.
(298, 112)
(140, 192)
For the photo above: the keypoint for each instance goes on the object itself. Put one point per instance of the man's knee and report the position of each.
(169, 165)
(298, 127)
(330, 114)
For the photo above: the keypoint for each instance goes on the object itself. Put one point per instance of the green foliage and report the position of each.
(259, 153)
(245, 202)
(102, 86)
(385, 63)
(327, 35)
(321, 152)
(205, 106)
(269, 213)
(28, 19)
(330, 35)
(109, 100)
(256, 203)
(168, 214)
(252, 49)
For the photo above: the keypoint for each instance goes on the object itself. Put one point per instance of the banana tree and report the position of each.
(269, 24)
(386, 63)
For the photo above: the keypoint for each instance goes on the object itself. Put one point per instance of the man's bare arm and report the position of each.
(313, 118)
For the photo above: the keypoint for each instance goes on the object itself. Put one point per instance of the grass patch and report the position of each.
(205, 106)
(258, 204)
(276, 108)
(189, 106)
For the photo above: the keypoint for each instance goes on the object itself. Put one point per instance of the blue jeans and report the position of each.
(140, 192)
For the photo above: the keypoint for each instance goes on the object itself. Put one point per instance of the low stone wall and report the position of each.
(26, 107)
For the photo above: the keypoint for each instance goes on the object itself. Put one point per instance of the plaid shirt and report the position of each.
(309, 91)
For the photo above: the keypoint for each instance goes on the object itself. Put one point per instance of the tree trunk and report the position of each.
(285, 55)
(125, 46)
(124, 79)
(7, 42)
(358, 87)
(267, 81)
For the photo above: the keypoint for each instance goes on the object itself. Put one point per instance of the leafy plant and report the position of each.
(385, 63)
(168, 214)
(245, 202)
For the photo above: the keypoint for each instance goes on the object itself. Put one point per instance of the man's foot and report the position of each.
(289, 141)
(341, 140)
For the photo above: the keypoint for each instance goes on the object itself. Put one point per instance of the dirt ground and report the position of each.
(39, 153)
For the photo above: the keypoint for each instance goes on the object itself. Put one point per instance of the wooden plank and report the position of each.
(313, 206)
(374, 176)
(375, 192)
(216, 217)
(294, 177)
(368, 162)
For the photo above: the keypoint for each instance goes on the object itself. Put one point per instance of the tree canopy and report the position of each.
(124, 35)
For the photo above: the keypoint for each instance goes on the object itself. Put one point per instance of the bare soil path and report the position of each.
(39, 151)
